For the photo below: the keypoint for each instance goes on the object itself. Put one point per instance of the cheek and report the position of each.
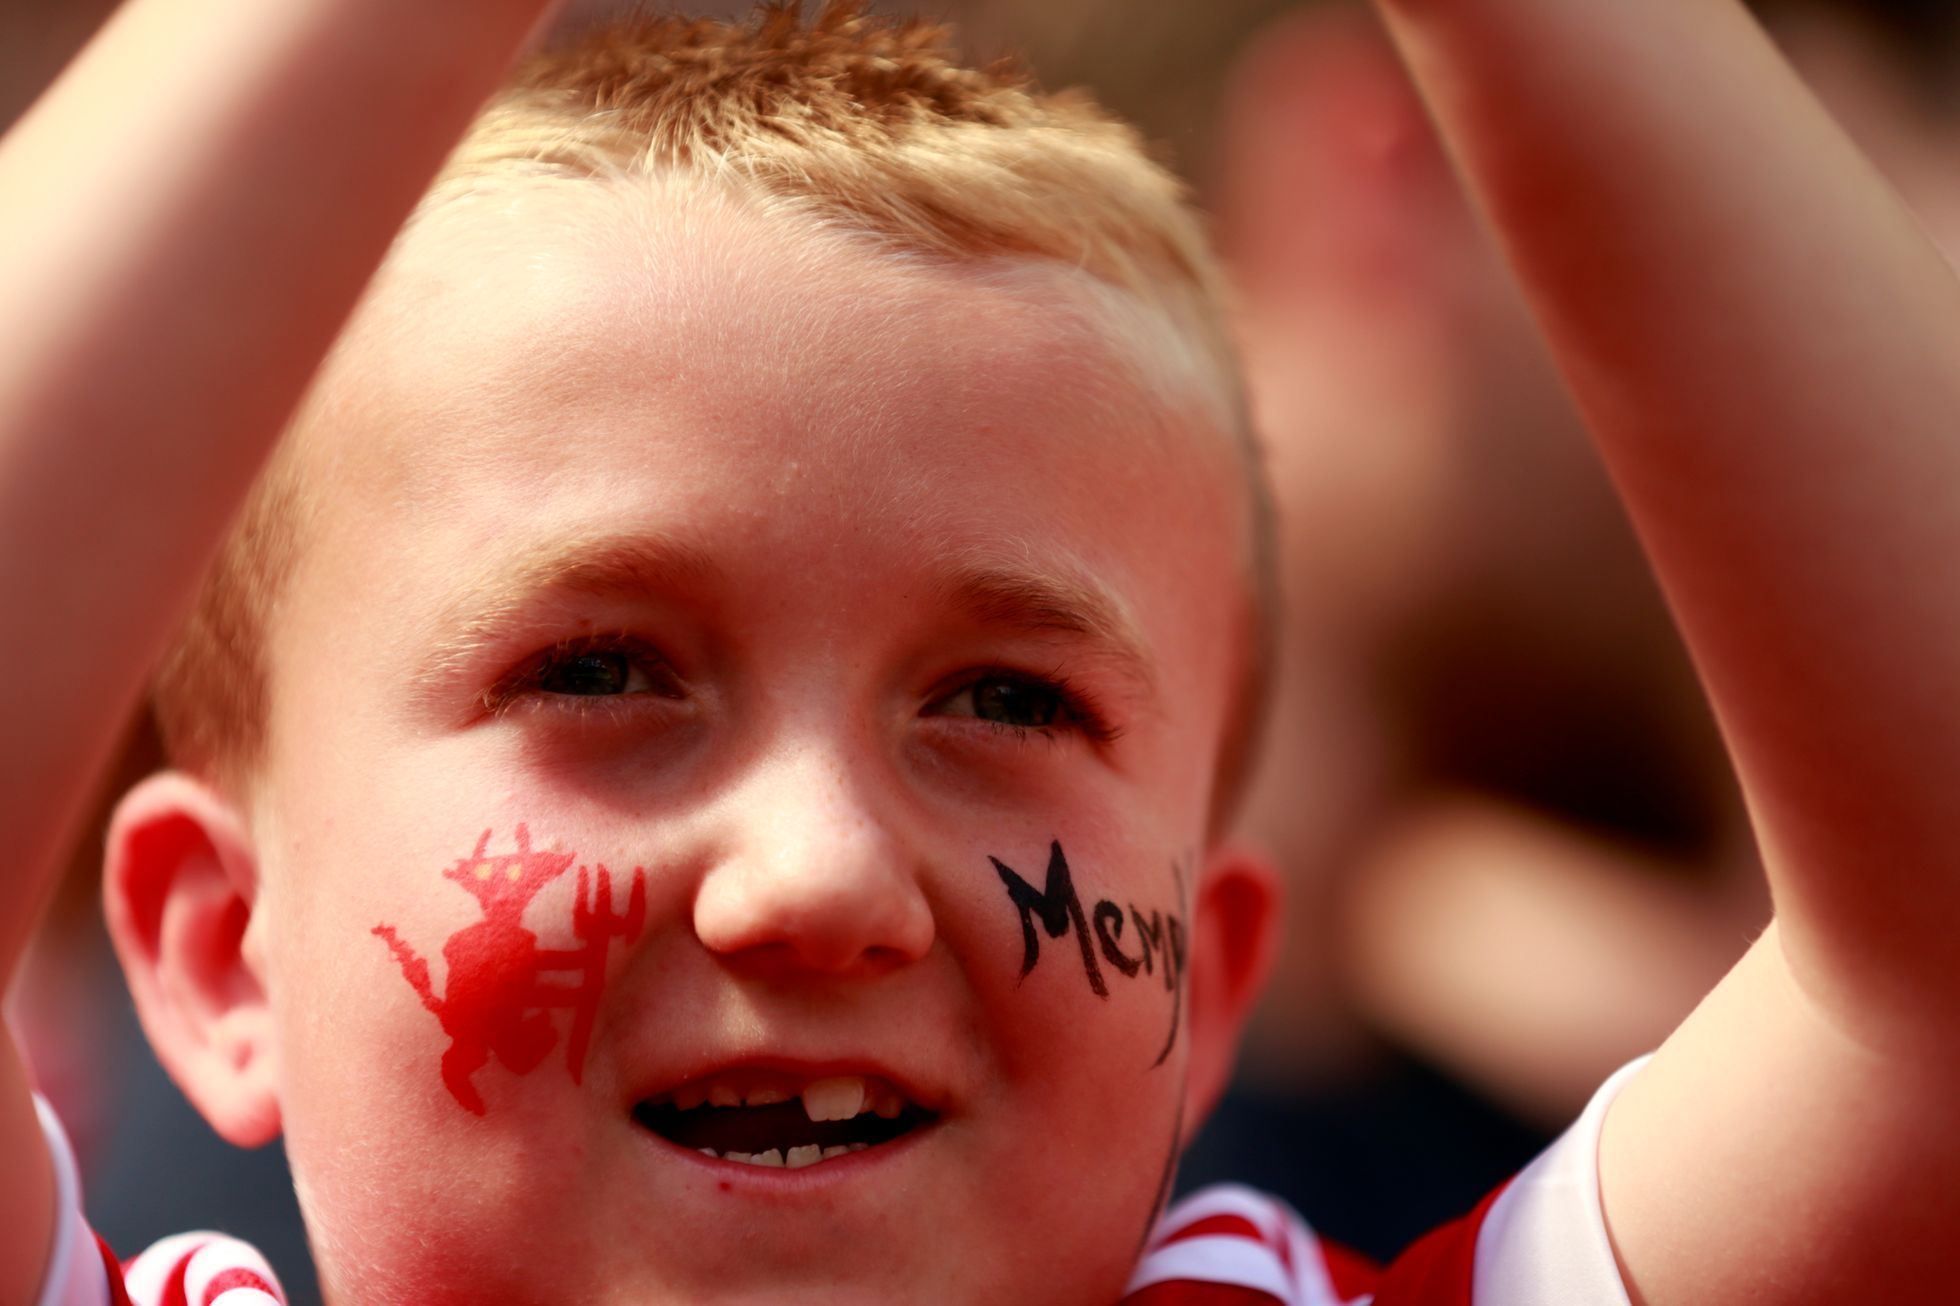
(1089, 1008)
(487, 964)
(1106, 964)
(359, 1051)
(433, 1026)
(1087, 1017)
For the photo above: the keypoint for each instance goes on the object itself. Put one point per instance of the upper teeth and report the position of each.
(834, 1099)
(840, 1097)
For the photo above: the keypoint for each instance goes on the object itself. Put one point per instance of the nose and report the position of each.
(812, 879)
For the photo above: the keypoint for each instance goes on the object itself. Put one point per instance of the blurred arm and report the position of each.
(185, 221)
(1532, 958)
(1768, 352)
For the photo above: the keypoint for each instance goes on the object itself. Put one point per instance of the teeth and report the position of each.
(840, 1097)
(834, 1099)
(808, 1154)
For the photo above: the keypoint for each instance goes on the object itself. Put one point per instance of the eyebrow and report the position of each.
(1016, 596)
(500, 596)
(1042, 601)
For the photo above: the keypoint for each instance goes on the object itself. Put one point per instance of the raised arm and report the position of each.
(185, 221)
(1768, 353)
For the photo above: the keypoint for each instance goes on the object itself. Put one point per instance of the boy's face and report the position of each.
(874, 628)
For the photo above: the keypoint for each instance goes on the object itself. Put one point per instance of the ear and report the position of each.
(179, 885)
(1234, 929)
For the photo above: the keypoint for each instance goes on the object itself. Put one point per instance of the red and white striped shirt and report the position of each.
(1538, 1241)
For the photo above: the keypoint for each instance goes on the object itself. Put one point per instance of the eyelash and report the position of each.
(526, 679)
(1080, 711)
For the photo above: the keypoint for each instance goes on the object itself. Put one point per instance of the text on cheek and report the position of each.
(1057, 907)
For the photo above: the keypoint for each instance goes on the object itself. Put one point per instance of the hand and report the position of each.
(180, 240)
(1766, 350)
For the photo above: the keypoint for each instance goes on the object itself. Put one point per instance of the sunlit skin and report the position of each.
(503, 988)
(803, 705)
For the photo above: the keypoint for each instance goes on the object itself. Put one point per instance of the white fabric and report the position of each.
(75, 1273)
(1298, 1279)
(1544, 1240)
(205, 1256)
(221, 1255)
(1248, 1204)
(1226, 1258)
(145, 1277)
(1311, 1282)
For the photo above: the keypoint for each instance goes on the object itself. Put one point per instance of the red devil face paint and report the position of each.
(502, 987)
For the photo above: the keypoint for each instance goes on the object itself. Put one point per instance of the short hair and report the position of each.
(861, 123)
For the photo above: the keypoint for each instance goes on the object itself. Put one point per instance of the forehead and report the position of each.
(571, 299)
(550, 363)
(519, 323)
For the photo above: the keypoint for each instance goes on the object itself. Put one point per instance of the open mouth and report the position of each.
(770, 1119)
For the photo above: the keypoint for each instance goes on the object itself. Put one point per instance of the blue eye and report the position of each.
(1023, 704)
(587, 672)
(594, 674)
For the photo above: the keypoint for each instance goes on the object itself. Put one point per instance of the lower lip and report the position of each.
(732, 1176)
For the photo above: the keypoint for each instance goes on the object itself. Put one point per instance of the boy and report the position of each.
(693, 601)
(778, 750)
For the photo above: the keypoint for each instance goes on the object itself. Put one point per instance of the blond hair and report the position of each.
(863, 124)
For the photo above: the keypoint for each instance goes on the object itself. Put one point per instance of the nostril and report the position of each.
(791, 959)
(883, 959)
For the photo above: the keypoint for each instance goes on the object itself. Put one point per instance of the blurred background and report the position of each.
(1515, 853)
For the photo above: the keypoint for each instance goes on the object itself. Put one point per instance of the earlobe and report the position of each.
(180, 882)
(1235, 927)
